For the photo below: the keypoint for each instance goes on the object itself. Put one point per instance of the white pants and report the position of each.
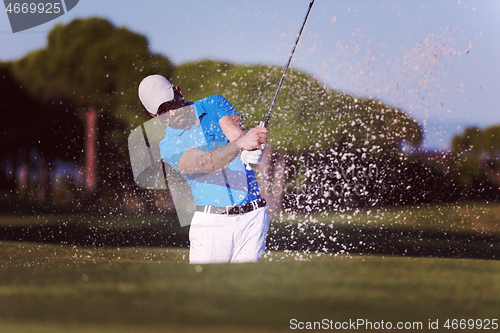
(216, 238)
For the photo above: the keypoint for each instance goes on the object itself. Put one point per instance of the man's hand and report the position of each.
(251, 156)
(253, 139)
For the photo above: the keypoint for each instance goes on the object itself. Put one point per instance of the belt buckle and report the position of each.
(229, 208)
(255, 205)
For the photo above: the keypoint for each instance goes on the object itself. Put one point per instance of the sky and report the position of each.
(435, 59)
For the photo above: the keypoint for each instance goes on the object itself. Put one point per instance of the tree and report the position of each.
(476, 153)
(95, 67)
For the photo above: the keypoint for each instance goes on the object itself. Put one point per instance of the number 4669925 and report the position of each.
(25, 8)
(478, 324)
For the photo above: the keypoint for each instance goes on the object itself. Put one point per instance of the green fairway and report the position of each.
(464, 217)
(460, 230)
(61, 288)
(48, 288)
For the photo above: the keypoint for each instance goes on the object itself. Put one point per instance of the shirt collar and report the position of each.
(199, 112)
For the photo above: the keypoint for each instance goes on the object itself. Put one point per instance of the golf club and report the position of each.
(268, 116)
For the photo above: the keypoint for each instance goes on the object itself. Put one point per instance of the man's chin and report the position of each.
(179, 124)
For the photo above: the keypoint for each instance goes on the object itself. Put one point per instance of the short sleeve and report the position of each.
(221, 106)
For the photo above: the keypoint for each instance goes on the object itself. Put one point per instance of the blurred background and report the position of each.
(386, 104)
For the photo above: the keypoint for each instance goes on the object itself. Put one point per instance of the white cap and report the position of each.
(154, 90)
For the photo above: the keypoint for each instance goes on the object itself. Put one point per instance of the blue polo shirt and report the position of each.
(235, 185)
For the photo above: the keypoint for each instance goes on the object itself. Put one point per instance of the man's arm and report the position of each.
(232, 126)
(198, 161)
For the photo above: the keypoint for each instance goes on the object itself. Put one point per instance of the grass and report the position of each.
(465, 217)
(468, 217)
(87, 220)
(49, 288)
(60, 288)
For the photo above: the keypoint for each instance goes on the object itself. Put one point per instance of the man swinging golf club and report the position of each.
(206, 143)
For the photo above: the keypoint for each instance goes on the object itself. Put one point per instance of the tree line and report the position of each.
(70, 106)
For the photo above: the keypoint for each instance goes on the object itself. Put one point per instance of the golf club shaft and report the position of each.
(268, 116)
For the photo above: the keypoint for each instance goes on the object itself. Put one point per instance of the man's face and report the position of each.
(179, 118)
(177, 113)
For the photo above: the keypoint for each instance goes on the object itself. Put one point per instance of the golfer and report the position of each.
(206, 143)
